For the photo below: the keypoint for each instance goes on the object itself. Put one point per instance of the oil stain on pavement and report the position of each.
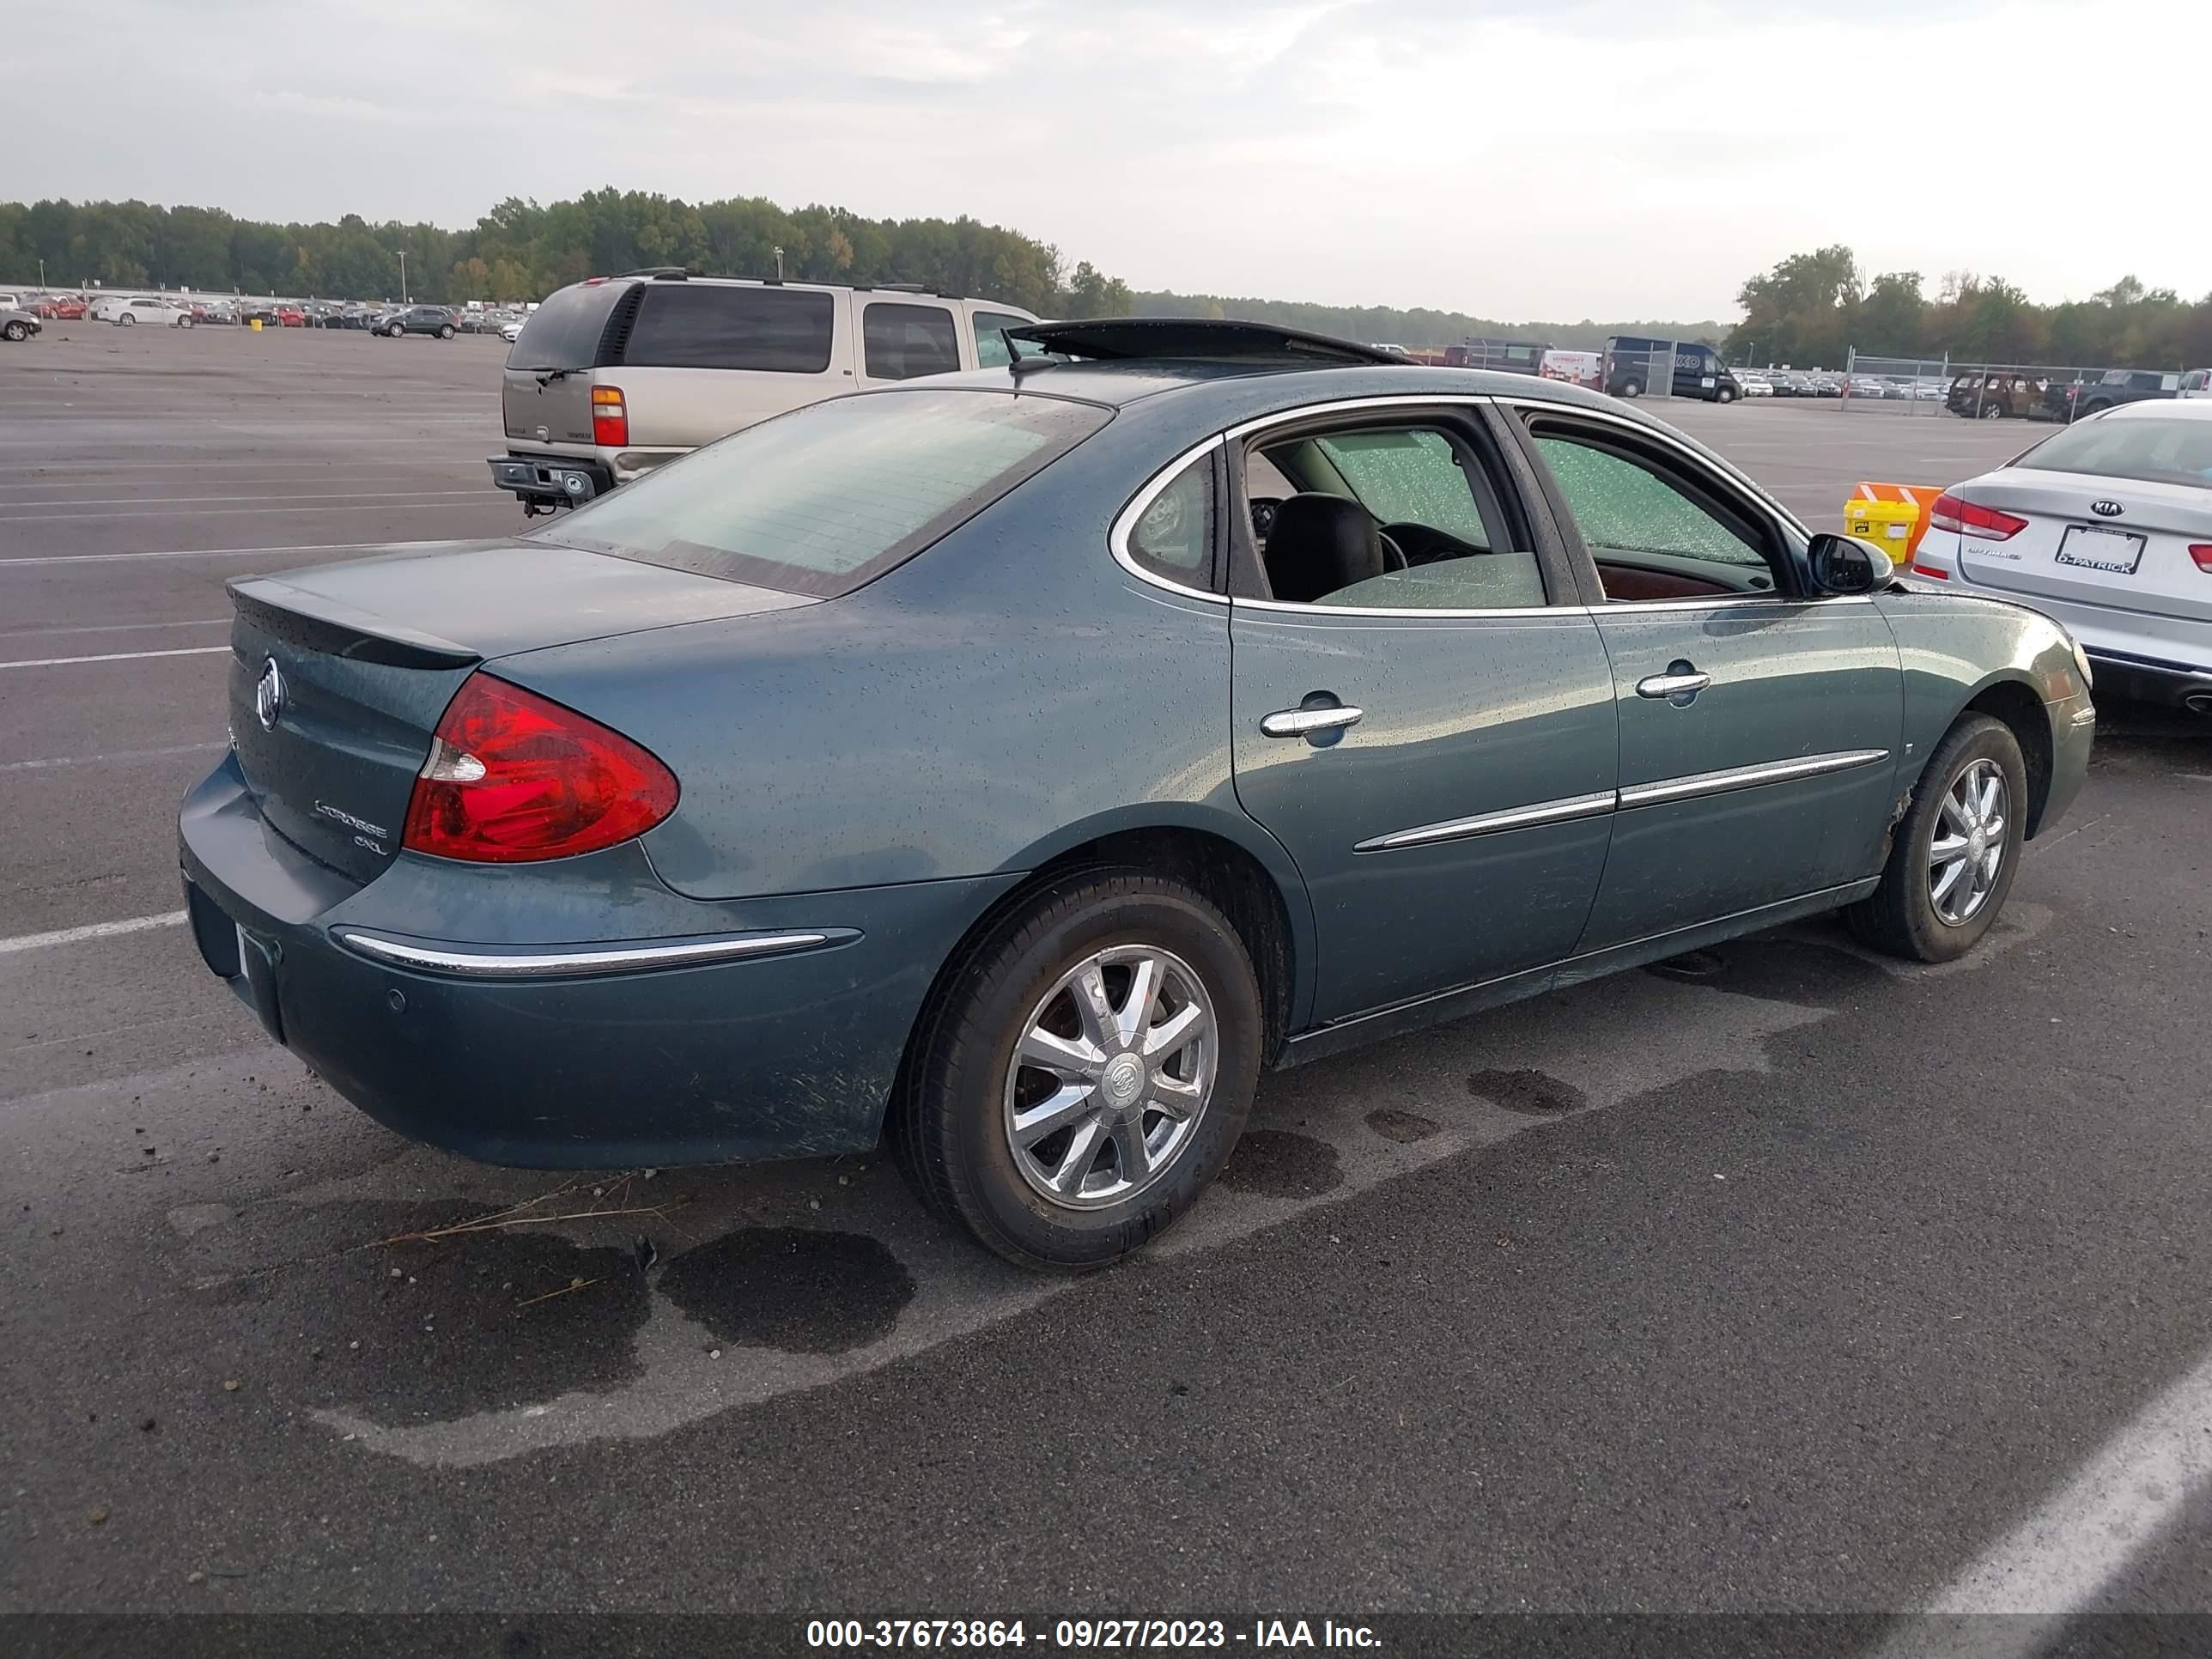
(792, 1289)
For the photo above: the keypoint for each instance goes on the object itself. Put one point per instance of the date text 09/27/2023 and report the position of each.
(1125, 1635)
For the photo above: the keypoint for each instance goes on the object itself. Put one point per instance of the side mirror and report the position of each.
(1844, 565)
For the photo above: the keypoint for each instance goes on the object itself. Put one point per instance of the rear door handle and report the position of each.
(1305, 722)
(1680, 680)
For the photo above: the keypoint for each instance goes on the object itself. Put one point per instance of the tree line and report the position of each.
(523, 250)
(1811, 308)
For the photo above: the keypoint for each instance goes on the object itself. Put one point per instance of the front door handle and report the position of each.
(1679, 684)
(1305, 722)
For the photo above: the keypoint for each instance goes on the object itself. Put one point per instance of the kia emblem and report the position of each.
(2106, 509)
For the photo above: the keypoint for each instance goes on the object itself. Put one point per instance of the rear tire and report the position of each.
(1632, 388)
(1913, 913)
(446, 332)
(126, 320)
(1993, 411)
(956, 1128)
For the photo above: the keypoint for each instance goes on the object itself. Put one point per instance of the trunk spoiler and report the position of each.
(316, 622)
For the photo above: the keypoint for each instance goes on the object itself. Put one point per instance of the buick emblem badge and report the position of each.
(269, 695)
(2106, 509)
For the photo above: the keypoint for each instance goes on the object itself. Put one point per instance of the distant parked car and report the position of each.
(291, 317)
(511, 330)
(16, 324)
(2125, 386)
(420, 319)
(62, 307)
(1754, 384)
(126, 313)
(1994, 394)
(608, 379)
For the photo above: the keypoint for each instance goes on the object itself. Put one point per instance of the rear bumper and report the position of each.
(2150, 679)
(745, 1031)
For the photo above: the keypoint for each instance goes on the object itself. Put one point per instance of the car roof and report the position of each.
(2189, 409)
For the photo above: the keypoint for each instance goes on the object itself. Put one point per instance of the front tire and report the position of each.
(446, 332)
(1723, 395)
(16, 331)
(1632, 388)
(1083, 1078)
(1952, 855)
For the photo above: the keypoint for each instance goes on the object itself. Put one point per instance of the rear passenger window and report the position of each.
(990, 344)
(900, 342)
(1174, 536)
(687, 326)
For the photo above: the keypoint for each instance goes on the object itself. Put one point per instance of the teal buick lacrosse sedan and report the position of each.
(1012, 765)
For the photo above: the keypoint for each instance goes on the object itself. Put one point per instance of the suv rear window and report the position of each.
(564, 333)
(2157, 451)
(827, 498)
(697, 326)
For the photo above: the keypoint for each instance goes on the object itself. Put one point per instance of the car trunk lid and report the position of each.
(2137, 558)
(339, 674)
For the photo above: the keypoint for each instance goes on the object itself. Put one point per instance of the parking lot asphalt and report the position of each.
(1803, 1281)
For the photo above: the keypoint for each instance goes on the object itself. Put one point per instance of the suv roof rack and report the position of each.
(662, 273)
(1125, 339)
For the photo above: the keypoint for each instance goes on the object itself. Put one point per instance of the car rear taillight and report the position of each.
(610, 416)
(1964, 517)
(2202, 552)
(513, 777)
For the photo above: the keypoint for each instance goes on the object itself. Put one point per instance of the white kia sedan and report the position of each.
(2106, 526)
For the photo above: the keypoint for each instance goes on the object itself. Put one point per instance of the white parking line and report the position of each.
(117, 656)
(407, 506)
(95, 929)
(112, 755)
(2054, 1564)
(112, 628)
(9, 516)
(226, 552)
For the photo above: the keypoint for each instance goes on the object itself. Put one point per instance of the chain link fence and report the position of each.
(1975, 391)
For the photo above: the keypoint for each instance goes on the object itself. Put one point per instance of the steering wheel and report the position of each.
(1423, 544)
(1263, 516)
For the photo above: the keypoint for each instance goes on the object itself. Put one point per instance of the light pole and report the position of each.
(42, 273)
(402, 276)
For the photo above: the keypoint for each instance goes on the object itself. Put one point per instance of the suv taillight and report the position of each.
(610, 416)
(1964, 517)
(514, 777)
(2202, 552)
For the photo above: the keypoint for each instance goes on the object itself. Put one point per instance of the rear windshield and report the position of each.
(564, 333)
(782, 330)
(827, 498)
(2159, 452)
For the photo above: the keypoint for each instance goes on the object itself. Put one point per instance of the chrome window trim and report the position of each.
(1729, 778)
(1563, 810)
(1125, 522)
(553, 961)
(1118, 537)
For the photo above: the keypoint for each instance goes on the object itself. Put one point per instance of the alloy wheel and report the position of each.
(1110, 1076)
(1966, 854)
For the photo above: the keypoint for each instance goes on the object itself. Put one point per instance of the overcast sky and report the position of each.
(1517, 158)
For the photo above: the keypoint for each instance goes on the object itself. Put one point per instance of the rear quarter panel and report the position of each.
(1008, 693)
